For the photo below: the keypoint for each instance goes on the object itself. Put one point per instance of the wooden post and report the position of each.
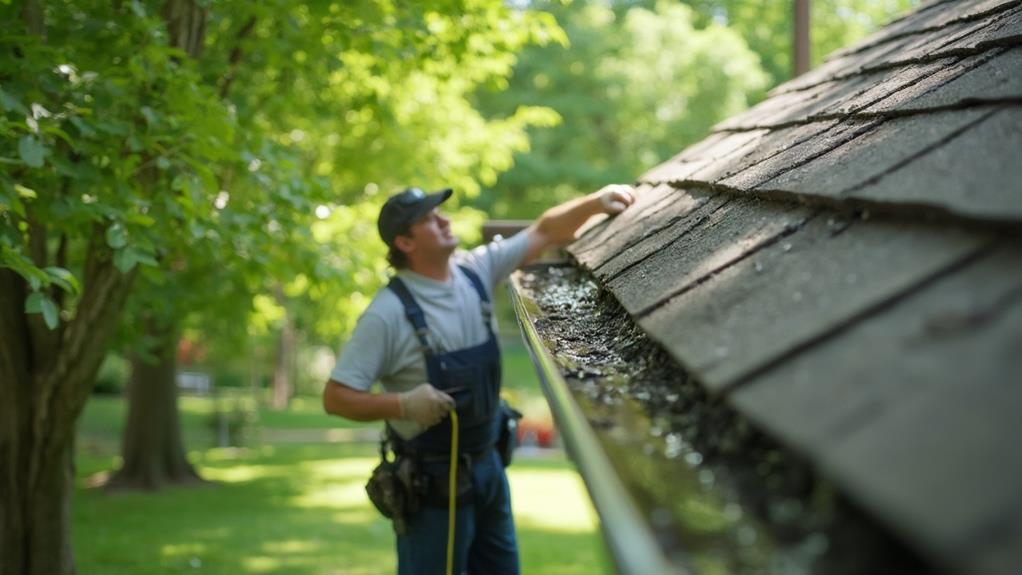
(801, 37)
(503, 228)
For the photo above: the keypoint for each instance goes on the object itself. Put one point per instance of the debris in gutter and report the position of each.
(720, 495)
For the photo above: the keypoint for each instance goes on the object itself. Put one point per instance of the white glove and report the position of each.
(425, 405)
(616, 197)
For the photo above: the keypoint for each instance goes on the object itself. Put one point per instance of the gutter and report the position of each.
(628, 535)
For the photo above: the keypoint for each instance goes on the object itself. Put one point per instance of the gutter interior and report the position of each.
(718, 495)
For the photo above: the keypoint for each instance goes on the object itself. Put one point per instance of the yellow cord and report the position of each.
(452, 493)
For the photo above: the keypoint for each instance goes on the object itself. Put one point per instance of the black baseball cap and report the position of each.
(401, 210)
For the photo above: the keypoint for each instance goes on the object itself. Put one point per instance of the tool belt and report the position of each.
(401, 485)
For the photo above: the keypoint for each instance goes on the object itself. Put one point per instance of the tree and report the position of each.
(636, 84)
(642, 79)
(767, 26)
(91, 124)
(185, 148)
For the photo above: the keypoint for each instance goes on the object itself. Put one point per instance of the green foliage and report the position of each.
(253, 163)
(113, 375)
(240, 179)
(357, 99)
(675, 81)
(641, 80)
(635, 85)
(767, 27)
(109, 138)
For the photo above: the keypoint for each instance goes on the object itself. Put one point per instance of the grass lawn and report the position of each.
(291, 508)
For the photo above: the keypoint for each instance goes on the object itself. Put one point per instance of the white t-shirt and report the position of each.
(383, 346)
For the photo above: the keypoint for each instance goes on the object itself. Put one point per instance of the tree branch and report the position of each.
(14, 367)
(62, 389)
(61, 262)
(60, 258)
(32, 14)
(235, 58)
(37, 241)
(186, 24)
(42, 339)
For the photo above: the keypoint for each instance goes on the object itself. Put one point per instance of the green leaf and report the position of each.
(140, 219)
(38, 302)
(125, 260)
(10, 103)
(13, 204)
(116, 236)
(147, 259)
(149, 114)
(63, 278)
(34, 303)
(83, 128)
(32, 275)
(58, 132)
(51, 315)
(32, 151)
(23, 266)
(25, 192)
(138, 8)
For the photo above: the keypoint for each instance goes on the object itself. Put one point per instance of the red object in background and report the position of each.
(536, 432)
(189, 352)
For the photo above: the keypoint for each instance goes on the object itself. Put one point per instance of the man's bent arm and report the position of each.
(557, 225)
(350, 403)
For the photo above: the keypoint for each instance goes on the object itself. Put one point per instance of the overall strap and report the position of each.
(413, 312)
(484, 299)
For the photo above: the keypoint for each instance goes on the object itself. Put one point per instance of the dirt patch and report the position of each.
(720, 495)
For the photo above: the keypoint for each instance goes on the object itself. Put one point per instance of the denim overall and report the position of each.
(485, 536)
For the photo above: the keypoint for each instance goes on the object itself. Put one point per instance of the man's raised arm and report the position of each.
(557, 225)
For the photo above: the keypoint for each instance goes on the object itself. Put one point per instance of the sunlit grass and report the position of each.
(552, 500)
(297, 508)
(302, 509)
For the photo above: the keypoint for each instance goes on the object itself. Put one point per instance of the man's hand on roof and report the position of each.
(425, 405)
(616, 197)
(557, 225)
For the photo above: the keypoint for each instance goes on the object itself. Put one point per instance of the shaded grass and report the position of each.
(101, 423)
(301, 509)
(298, 509)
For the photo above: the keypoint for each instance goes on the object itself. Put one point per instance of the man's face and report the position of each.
(431, 236)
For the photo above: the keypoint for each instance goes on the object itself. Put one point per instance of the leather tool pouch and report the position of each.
(507, 441)
(397, 489)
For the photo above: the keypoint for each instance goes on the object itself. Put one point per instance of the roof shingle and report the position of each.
(843, 264)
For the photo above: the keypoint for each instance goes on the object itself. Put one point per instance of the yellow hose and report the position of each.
(452, 493)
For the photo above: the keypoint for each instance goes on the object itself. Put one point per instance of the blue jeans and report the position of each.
(484, 540)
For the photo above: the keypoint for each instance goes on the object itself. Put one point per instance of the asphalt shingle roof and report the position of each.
(843, 264)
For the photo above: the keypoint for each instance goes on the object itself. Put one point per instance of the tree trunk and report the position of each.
(46, 376)
(186, 24)
(44, 383)
(283, 364)
(152, 449)
(35, 537)
(50, 527)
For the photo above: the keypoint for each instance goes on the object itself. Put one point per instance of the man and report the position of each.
(429, 340)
